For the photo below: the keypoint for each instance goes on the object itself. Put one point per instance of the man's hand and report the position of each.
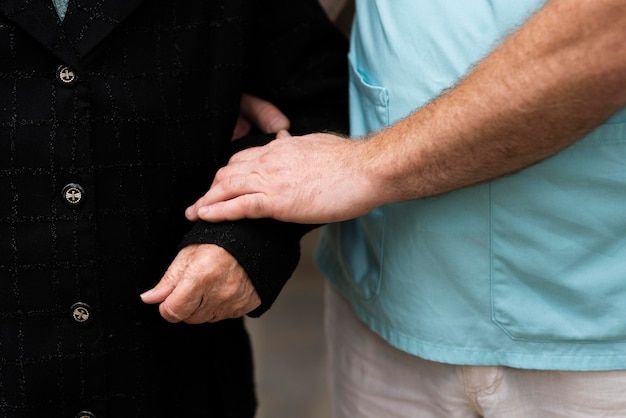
(260, 113)
(204, 283)
(316, 178)
(547, 85)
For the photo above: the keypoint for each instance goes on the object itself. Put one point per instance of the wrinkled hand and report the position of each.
(204, 283)
(260, 113)
(316, 178)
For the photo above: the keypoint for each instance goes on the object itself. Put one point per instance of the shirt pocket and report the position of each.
(365, 236)
(558, 245)
(369, 104)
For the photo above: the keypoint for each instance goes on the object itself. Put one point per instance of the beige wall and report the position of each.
(341, 11)
(333, 7)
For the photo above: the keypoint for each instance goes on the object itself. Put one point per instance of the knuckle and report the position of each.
(168, 277)
(227, 183)
(225, 293)
(226, 314)
(220, 174)
(257, 204)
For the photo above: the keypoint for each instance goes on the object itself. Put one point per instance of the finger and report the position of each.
(181, 303)
(242, 128)
(283, 133)
(216, 193)
(252, 206)
(167, 292)
(245, 155)
(226, 307)
(224, 189)
(204, 314)
(158, 293)
(263, 114)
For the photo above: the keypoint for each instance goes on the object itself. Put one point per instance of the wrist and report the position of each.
(378, 167)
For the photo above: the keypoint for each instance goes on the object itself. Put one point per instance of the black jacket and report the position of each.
(111, 124)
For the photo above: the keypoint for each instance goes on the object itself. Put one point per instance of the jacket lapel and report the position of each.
(39, 19)
(86, 23)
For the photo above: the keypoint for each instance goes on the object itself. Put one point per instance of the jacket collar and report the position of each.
(86, 23)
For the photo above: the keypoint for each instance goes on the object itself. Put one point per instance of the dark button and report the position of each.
(73, 194)
(66, 76)
(85, 414)
(81, 313)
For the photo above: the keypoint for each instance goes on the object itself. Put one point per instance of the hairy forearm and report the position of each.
(548, 84)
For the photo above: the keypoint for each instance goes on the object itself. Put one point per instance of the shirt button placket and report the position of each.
(74, 196)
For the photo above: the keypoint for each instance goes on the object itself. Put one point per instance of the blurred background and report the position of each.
(288, 345)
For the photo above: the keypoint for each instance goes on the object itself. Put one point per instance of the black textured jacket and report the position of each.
(112, 123)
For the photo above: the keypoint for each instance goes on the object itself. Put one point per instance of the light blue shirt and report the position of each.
(526, 271)
(61, 6)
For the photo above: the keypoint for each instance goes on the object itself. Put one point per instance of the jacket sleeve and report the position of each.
(300, 65)
(297, 59)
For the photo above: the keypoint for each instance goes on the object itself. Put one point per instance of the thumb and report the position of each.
(158, 293)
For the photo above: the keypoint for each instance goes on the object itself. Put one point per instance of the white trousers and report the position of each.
(370, 378)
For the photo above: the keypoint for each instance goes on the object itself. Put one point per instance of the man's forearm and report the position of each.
(548, 84)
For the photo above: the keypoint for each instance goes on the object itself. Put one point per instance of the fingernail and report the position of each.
(147, 293)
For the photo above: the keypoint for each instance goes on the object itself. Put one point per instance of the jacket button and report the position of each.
(85, 414)
(81, 313)
(66, 76)
(73, 194)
